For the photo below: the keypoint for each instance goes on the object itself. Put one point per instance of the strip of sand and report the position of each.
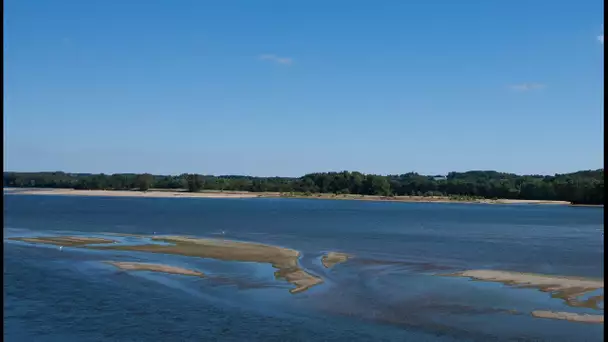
(566, 288)
(127, 193)
(333, 258)
(415, 199)
(71, 241)
(285, 260)
(162, 193)
(138, 266)
(569, 316)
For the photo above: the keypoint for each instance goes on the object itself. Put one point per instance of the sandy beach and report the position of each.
(162, 193)
(128, 193)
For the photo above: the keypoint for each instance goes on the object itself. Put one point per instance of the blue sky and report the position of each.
(289, 87)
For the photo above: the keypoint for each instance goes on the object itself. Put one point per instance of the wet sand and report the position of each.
(138, 266)
(569, 316)
(285, 260)
(298, 277)
(566, 288)
(333, 258)
(70, 241)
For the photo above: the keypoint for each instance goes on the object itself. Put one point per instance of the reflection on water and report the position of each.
(390, 289)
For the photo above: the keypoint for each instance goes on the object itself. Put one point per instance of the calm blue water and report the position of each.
(390, 291)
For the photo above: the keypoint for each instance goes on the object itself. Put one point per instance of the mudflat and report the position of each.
(139, 266)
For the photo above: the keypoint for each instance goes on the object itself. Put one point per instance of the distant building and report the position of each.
(438, 178)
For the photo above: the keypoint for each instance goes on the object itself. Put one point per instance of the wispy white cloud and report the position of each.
(601, 38)
(276, 59)
(526, 86)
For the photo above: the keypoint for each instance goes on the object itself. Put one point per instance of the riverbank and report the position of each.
(162, 193)
(128, 193)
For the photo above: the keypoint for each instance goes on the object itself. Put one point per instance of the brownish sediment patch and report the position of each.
(71, 241)
(302, 280)
(591, 302)
(285, 260)
(138, 266)
(333, 258)
(569, 316)
(566, 288)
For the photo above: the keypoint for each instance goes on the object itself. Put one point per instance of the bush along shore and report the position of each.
(582, 187)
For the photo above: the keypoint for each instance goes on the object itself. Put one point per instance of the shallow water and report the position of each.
(390, 290)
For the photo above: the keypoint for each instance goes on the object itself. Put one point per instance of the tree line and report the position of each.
(583, 187)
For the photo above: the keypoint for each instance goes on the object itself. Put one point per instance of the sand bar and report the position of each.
(569, 316)
(298, 277)
(139, 266)
(285, 260)
(333, 258)
(566, 288)
(73, 241)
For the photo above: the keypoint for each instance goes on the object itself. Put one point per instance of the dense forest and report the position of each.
(583, 187)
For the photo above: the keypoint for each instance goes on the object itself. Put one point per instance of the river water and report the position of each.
(394, 288)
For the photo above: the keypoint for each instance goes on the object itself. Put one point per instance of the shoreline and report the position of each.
(163, 193)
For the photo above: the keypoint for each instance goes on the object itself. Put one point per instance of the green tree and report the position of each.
(144, 181)
(195, 182)
(582, 187)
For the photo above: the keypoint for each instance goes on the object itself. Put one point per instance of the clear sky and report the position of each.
(283, 88)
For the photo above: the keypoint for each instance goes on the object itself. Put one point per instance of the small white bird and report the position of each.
(60, 248)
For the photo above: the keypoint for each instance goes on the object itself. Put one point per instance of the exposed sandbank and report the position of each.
(72, 241)
(569, 316)
(162, 193)
(285, 260)
(298, 277)
(566, 288)
(139, 266)
(333, 258)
